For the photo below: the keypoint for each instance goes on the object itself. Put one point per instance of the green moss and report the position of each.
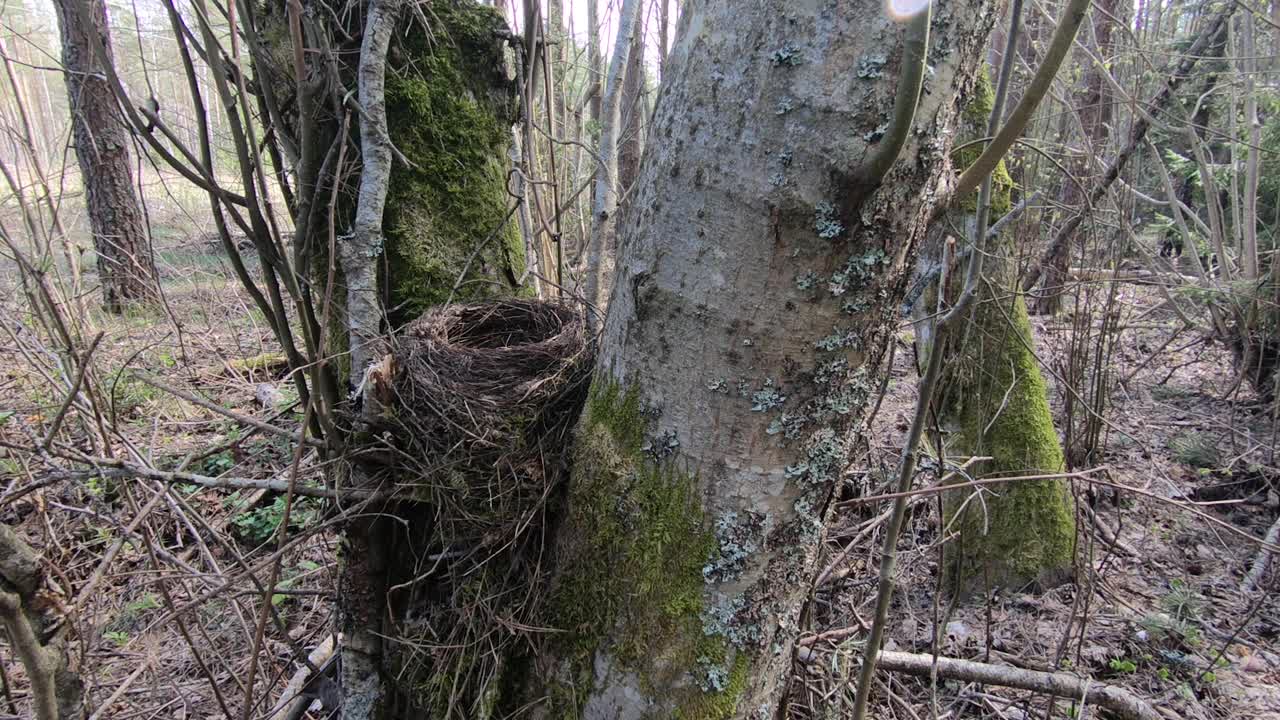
(722, 704)
(630, 584)
(449, 111)
(1004, 413)
(973, 124)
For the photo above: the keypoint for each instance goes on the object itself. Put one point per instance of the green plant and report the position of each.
(1123, 665)
(1195, 449)
(218, 463)
(1165, 393)
(1182, 602)
(119, 637)
(141, 605)
(259, 525)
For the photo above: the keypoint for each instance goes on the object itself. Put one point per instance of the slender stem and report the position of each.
(1063, 37)
(915, 48)
(907, 468)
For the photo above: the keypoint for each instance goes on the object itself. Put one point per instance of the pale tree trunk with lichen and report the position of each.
(754, 297)
(992, 402)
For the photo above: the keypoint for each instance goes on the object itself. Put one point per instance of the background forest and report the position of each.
(699, 359)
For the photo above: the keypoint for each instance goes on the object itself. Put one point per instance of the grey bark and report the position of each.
(361, 681)
(634, 114)
(57, 693)
(754, 295)
(125, 268)
(601, 246)
(359, 254)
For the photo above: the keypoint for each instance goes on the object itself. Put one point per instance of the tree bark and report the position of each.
(753, 300)
(635, 115)
(1094, 102)
(57, 692)
(993, 398)
(601, 246)
(125, 267)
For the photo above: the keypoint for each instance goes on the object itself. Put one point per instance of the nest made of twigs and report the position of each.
(482, 381)
(486, 398)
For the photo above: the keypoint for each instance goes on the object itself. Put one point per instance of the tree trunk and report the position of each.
(125, 268)
(755, 294)
(993, 400)
(602, 245)
(635, 115)
(57, 693)
(445, 233)
(1094, 102)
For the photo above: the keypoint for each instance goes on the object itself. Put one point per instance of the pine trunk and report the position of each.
(125, 267)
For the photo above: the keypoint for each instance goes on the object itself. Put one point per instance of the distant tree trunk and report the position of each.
(31, 144)
(601, 246)
(125, 268)
(635, 115)
(755, 294)
(1094, 102)
(595, 60)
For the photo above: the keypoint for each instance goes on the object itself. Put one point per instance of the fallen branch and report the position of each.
(214, 407)
(1260, 563)
(1118, 700)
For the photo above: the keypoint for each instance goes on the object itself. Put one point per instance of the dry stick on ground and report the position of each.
(238, 417)
(1118, 700)
(1259, 567)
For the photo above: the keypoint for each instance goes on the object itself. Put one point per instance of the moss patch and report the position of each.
(973, 124)
(1004, 413)
(630, 582)
(449, 111)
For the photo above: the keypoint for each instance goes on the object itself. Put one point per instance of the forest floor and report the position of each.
(1159, 610)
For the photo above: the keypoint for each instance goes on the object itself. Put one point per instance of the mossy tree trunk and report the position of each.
(993, 402)
(444, 234)
(754, 296)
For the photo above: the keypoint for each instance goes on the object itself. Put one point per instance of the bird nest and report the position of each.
(486, 399)
(491, 379)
